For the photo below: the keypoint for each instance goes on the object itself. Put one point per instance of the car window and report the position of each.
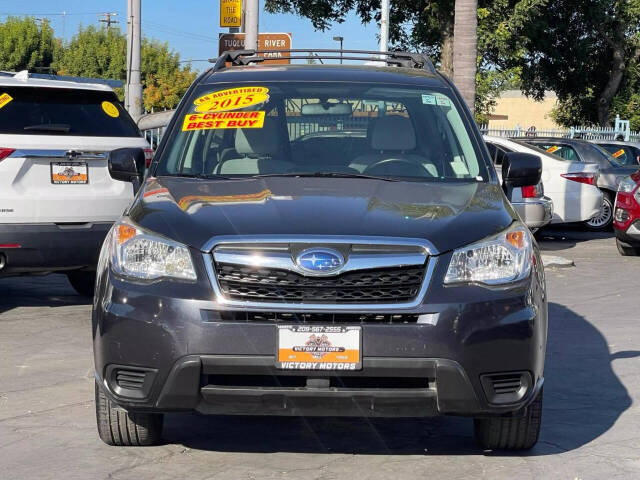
(58, 111)
(498, 153)
(601, 152)
(565, 152)
(623, 154)
(308, 127)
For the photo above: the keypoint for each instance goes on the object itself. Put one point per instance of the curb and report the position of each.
(557, 262)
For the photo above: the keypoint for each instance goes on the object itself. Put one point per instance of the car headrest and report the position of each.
(259, 141)
(393, 132)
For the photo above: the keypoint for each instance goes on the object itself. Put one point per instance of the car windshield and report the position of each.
(320, 129)
(61, 111)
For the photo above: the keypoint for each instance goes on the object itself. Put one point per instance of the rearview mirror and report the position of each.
(126, 165)
(520, 170)
(326, 109)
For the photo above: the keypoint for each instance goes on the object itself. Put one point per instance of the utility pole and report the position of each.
(384, 26)
(106, 18)
(251, 25)
(133, 93)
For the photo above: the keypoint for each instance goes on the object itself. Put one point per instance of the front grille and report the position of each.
(322, 318)
(383, 285)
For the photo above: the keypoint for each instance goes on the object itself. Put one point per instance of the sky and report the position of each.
(190, 27)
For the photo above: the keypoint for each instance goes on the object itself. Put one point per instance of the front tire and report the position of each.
(83, 282)
(604, 220)
(120, 428)
(627, 250)
(510, 433)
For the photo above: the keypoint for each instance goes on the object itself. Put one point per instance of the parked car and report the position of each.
(535, 209)
(57, 199)
(391, 279)
(571, 185)
(611, 171)
(626, 222)
(625, 153)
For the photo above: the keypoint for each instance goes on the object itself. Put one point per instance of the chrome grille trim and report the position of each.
(277, 257)
(284, 261)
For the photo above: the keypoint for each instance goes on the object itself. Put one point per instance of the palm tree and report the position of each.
(465, 49)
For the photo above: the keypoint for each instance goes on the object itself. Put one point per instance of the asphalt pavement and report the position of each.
(591, 421)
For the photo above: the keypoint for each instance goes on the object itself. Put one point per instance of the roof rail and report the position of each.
(65, 78)
(400, 59)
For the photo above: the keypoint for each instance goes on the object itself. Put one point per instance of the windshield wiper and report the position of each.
(50, 127)
(325, 175)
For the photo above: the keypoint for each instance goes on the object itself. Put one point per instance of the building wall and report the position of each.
(523, 111)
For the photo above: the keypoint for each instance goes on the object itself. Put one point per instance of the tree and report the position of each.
(102, 53)
(465, 49)
(25, 45)
(583, 50)
(94, 52)
(428, 26)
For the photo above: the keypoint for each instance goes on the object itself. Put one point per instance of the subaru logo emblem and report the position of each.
(320, 260)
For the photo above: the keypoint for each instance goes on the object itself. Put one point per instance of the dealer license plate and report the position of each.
(69, 173)
(313, 347)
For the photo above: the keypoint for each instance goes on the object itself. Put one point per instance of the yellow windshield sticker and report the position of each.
(231, 99)
(619, 153)
(209, 121)
(4, 99)
(553, 149)
(110, 109)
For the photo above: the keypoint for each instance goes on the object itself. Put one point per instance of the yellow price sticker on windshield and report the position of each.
(212, 120)
(4, 99)
(110, 109)
(619, 153)
(553, 149)
(231, 99)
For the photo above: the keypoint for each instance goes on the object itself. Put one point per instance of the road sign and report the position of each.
(230, 13)
(266, 41)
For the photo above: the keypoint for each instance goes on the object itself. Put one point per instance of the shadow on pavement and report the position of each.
(583, 399)
(38, 291)
(565, 236)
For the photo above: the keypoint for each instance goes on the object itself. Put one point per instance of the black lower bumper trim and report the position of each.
(318, 402)
(51, 247)
(447, 389)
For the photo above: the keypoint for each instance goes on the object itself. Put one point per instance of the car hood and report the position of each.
(192, 211)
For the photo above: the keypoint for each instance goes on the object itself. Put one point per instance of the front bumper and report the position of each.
(50, 247)
(630, 235)
(194, 357)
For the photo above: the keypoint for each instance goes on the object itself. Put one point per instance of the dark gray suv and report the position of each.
(321, 240)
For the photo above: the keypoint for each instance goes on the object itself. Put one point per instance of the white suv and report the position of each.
(57, 199)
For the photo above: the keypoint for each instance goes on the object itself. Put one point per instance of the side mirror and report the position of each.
(126, 165)
(520, 170)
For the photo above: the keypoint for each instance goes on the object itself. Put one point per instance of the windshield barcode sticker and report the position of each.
(428, 99)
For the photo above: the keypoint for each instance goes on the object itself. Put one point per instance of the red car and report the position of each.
(626, 220)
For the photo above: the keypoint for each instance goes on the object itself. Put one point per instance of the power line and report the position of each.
(106, 18)
(62, 14)
(180, 33)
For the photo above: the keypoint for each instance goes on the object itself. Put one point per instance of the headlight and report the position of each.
(500, 259)
(141, 254)
(626, 185)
